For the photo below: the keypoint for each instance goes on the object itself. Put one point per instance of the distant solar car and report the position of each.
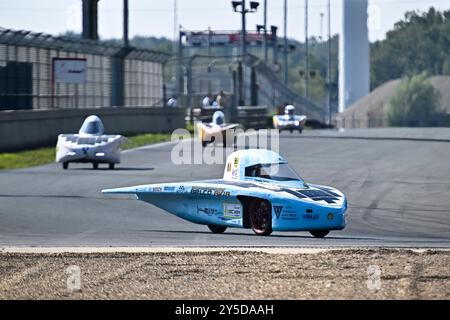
(289, 120)
(259, 190)
(217, 129)
(89, 145)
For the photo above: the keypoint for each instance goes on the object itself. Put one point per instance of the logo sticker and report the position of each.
(232, 210)
(181, 189)
(277, 210)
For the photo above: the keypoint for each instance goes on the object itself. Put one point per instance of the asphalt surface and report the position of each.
(398, 193)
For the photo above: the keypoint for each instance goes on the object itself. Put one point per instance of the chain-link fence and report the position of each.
(114, 76)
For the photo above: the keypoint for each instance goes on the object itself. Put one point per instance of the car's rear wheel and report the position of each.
(260, 212)
(217, 229)
(95, 165)
(111, 166)
(319, 233)
(65, 165)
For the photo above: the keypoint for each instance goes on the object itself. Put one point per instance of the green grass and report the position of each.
(28, 158)
(35, 157)
(145, 139)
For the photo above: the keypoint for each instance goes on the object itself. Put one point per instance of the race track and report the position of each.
(398, 191)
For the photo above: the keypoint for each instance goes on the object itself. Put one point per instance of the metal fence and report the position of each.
(114, 76)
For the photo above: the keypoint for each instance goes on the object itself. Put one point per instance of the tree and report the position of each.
(414, 103)
(418, 43)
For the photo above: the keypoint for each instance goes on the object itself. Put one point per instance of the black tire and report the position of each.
(319, 233)
(216, 229)
(65, 165)
(291, 130)
(260, 212)
(300, 131)
(95, 165)
(111, 166)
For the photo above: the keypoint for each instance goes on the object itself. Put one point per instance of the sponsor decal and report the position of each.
(236, 161)
(228, 166)
(181, 189)
(210, 191)
(85, 150)
(288, 213)
(232, 210)
(310, 216)
(208, 211)
(234, 173)
(169, 189)
(330, 216)
(277, 210)
(157, 189)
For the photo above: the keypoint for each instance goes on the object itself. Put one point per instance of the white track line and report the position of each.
(273, 250)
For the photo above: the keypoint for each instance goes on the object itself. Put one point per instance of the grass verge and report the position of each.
(35, 157)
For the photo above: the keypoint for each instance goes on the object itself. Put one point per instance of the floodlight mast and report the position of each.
(243, 11)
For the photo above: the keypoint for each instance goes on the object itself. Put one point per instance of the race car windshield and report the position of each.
(273, 171)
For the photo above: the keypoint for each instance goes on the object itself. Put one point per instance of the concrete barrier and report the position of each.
(25, 129)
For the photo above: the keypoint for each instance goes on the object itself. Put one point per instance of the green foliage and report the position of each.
(418, 43)
(414, 103)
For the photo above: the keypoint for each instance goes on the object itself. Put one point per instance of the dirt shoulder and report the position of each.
(335, 274)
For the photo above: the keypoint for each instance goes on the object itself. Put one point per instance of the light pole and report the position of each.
(285, 45)
(306, 51)
(243, 11)
(265, 32)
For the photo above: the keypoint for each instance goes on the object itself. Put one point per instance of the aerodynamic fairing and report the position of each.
(89, 145)
(215, 130)
(289, 120)
(259, 190)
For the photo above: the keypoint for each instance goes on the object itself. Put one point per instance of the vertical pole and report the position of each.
(240, 75)
(329, 65)
(285, 50)
(274, 44)
(243, 35)
(265, 32)
(306, 51)
(125, 23)
(209, 60)
(179, 65)
(175, 25)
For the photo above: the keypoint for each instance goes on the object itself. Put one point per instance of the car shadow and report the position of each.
(276, 235)
(115, 169)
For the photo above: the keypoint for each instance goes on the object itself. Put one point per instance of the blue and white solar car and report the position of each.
(259, 190)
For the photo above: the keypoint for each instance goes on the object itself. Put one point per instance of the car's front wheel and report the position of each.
(319, 233)
(111, 166)
(217, 229)
(261, 217)
(95, 165)
(65, 165)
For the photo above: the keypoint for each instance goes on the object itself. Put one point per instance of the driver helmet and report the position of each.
(289, 110)
(218, 118)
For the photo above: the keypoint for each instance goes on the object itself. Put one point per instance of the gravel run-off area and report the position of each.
(334, 274)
